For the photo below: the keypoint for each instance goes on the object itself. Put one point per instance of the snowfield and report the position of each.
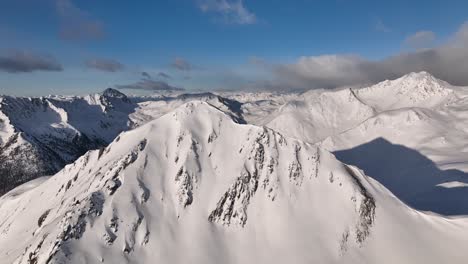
(238, 177)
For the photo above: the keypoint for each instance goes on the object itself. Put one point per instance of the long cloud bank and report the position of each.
(448, 62)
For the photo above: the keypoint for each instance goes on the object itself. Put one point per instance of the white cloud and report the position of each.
(448, 62)
(421, 39)
(232, 11)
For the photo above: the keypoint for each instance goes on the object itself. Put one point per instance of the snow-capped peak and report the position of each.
(422, 78)
(182, 175)
(412, 90)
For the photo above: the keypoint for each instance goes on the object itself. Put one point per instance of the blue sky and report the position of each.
(228, 44)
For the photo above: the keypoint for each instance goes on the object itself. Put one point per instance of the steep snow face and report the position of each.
(39, 117)
(320, 114)
(38, 136)
(412, 90)
(23, 158)
(195, 187)
(6, 129)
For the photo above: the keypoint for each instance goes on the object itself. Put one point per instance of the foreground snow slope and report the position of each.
(196, 187)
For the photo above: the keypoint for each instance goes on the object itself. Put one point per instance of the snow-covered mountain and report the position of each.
(238, 177)
(415, 142)
(412, 90)
(39, 136)
(54, 131)
(194, 186)
(409, 133)
(318, 114)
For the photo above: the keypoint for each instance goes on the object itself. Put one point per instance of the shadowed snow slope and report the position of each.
(38, 136)
(196, 187)
(411, 176)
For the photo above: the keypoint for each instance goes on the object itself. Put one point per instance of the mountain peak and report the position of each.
(420, 76)
(416, 89)
(111, 92)
(199, 171)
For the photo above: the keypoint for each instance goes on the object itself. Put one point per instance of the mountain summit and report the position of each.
(411, 90)
(110, 92)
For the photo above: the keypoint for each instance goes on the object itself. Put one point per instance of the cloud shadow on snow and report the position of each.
(411, 176)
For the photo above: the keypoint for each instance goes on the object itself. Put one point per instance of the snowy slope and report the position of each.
(417, 153)
(317, 114)
(196, 187)
(320, 114)
(415, 144)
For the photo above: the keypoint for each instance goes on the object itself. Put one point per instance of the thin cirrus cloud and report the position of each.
(77, 24)
(230, 11)
(382, 27)
(106, 65)
(24, 62)
(447, 62)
